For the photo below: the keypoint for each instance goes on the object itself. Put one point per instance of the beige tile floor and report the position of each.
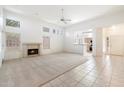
(106, 71)
(64, 70)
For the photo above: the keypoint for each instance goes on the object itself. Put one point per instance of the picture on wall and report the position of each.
(46, 42)
(12, 40)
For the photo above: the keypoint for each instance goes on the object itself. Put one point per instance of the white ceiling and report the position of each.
(52, 13)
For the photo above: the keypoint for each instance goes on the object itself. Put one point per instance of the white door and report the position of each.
(116, 45)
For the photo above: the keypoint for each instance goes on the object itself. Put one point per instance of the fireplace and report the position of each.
(31, 49)
(32, 52)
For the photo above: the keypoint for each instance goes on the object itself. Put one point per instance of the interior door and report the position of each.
(116, 45)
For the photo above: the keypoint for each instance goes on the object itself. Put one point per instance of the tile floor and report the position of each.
(106, 71)
(64, 70)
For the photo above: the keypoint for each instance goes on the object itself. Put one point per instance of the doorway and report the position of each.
(113, 40)
(88, 43)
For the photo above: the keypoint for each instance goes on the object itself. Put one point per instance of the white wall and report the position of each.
(31, 32)
(103, 21)
(69, 45)
(98, 42)
(69, 42)
(1, 28)
(0, 49)
(56, 40)
(115, 29)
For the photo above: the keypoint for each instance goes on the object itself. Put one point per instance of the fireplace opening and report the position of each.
(32, 51)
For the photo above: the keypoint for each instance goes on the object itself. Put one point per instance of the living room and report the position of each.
(46, 45)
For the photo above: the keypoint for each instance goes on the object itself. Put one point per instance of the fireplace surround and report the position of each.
(31, 49)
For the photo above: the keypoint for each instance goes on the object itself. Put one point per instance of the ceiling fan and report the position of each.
(63, 19)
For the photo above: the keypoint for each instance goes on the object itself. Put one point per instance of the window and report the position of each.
(78, 38)
(12, 40)
(12, 23)
(45, 29)
(46, 42)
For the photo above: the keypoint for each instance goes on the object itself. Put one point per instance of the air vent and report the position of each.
(45, 29)
(12, 23)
